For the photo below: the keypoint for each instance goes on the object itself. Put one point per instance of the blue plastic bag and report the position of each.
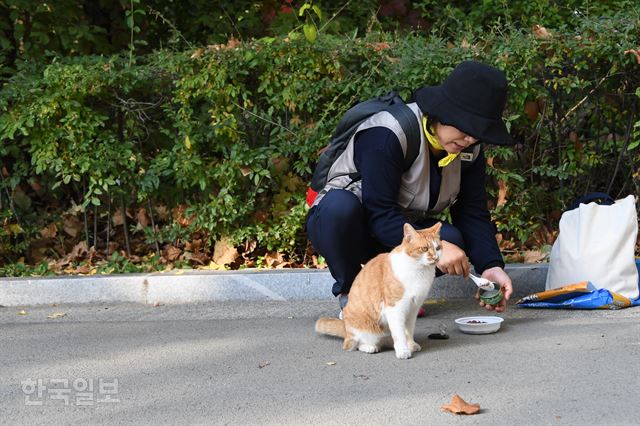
(583, 295)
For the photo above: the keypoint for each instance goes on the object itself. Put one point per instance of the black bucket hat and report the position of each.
(470, 99)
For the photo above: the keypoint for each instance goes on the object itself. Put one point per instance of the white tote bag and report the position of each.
(596, 243)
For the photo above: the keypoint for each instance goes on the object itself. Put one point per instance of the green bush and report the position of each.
(220, 141)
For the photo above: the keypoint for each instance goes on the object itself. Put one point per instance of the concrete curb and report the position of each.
(208, 286)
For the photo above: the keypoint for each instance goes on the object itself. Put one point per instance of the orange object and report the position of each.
(460, 406)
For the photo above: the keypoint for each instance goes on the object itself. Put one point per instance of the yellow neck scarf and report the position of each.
(433, 141)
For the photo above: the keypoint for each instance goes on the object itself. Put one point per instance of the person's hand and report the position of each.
(453, 260)
(497, 275)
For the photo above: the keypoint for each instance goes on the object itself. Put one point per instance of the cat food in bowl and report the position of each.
(479, 325)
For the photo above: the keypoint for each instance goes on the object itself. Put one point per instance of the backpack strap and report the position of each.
(411, 128)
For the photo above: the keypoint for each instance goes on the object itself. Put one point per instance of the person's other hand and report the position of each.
(497, 275)
(453, 260)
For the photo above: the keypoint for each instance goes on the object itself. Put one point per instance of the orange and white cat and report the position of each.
(386, 295)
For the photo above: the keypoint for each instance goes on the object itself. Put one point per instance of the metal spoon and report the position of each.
(483, 283)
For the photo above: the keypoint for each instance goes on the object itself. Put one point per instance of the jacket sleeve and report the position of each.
(379, 158)
(470, 215)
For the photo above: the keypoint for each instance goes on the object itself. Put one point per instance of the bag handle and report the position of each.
(601, 198)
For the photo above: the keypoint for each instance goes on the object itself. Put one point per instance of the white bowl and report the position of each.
(484, 325)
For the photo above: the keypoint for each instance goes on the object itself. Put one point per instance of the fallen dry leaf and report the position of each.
(245, 170)
(57, 315)
(163, 212)
(83, 269)
(534, 256)
(249, 247)
(460, 406)
(198, 53)
(263, 364)
(280, 163)
(79, 251)
(49, 231)
(171, 253)
(213, 266)
(378, 47)
(143, 217)
(233, 43)
(575, 139)
(224, 253)
(502, 192)
(636, 53)
(532, 109)
(118, 217)
(273, 259)
(490, 161)
(72, 225)
(541, 32)
(178, 214)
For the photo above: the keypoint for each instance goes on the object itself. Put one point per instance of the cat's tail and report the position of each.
(331, 326)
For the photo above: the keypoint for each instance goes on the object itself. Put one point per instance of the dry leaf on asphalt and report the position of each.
(263, 364)
(57, 315)
(460, 406)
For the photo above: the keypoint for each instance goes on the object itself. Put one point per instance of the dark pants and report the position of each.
(338, 230)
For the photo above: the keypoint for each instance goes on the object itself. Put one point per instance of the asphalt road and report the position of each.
(261, 363)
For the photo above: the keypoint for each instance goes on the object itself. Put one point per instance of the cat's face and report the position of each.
(423, 245)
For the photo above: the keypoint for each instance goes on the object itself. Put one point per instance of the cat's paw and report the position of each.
(414, 347)
(370, 349)
(403, 353)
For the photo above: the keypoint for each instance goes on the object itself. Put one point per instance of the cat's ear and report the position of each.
(409, 232)
(436, 228)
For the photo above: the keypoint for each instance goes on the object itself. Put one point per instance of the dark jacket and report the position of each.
(379, 159)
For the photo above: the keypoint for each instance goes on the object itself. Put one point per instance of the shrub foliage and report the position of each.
(178, 149)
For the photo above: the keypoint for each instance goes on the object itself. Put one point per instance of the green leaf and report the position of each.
(317, 10)
(310, 32)
(303, 8)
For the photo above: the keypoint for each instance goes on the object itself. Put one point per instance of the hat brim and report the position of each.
(432, 101)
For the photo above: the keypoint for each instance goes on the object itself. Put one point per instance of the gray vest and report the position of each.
(413, 196)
